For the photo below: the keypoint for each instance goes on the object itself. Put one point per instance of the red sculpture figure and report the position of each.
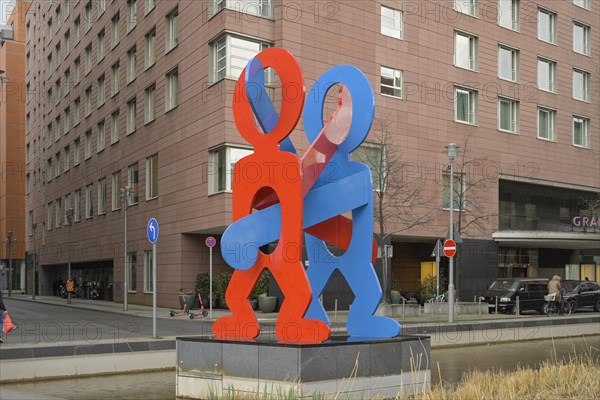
(256, 176)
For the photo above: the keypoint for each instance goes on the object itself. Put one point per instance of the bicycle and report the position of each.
(552, 308)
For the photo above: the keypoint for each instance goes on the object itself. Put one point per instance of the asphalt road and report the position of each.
(48, 323)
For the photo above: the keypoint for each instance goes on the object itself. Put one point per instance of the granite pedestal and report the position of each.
(341, 367)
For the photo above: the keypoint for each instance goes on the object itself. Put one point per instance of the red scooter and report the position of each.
(203, 312)
(185, 310)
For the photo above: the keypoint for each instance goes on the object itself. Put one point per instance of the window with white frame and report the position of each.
(77, 29)
(132, 271)
(49, 216)
(131, 14)
(88, 145)
(76, 68)
(148, 271)
(131, 116)
(88, 101)
(373, 155)
(89, 201)
(101, 91)
(262, 8)
(391, 22)
(580, 131)
(27, 183)
(150, 5)
(465, 105)
(67, 158)
(88, 59)
(152, 177)
(172, 30)
(100, 43)
(114, 128)
(508, 115)
(115, 32)
(581, 38)
(49, 169)
(58, 128)
(133, 182)
(115, 70)
(67, 81)
(546, 75)
(131, 64)
(58, 213)
(391, 82)
(508, 14)
(101, 137)
(77, 206)
(150, 106)
(582, 3)
(88, 16)
(102, 196)
(68, 42)
(150, 55)
(76, 151)
(77, 111)
(58, 165)
(116, 190)
(546, 124)
(581, 84)
(172, 89)
(466, 6)
(458, 196)
(67, 207)
(221, 164)
(465, 50)
(508, 63)
(230, 54)
(546, 25)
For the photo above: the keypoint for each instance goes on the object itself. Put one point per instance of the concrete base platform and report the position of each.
(339, 368)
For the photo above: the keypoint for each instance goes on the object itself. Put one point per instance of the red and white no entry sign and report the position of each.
(449, 248)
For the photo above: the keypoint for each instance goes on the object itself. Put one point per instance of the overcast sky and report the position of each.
(5, 10)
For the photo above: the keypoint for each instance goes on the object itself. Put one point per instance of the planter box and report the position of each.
(399, 310)
(459, 308)
(267, 304)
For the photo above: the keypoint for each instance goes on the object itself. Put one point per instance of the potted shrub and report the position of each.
(266, 303)
(203, 287)
(395, 297)
(220, 284)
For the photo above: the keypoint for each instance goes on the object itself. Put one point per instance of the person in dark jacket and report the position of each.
(2, 312)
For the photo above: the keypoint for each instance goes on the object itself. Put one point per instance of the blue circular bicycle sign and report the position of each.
(152, 230)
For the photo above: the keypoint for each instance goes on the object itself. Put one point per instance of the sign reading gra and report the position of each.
(279, 197)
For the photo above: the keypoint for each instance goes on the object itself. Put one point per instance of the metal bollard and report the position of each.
(479, 307)
(518, 307)
(335, 312)
(403, 308)
(496, 305)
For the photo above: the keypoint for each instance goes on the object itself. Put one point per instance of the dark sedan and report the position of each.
(582, 294)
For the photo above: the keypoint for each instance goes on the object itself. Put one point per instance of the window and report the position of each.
(101, 91)
(546, 25)
(581, 81)
(581, 38)
(88, 101)
(391, 82)
(76, 115)
(582, 3)
(391, 22)
(132, 14)
(580, 131)
(58, 213)
(76, 152)
(171, 90)
(372, 155)
(102, 196)
(67, 126)
(67, 158)
(115, 79)
(131, 64)
(150, 58)
(67, 81)
(76, 29)
(88, 145)
(57, 166)
(89, 201)
(101, 136)
(101, 7)
(459, 191)
(465, 50)
(152, 177)
(172, 33)
(546, 124)
(100, 44)
(77, 206)
(465, 105)
(230, 54)
(131, 115)
(466, 6)
(150, 4)
(76, 67)
(88, 59)
(508, 115)
(58, 130)
(67, 207)
(508, 14)
(546, 75)
(131, 271)
(67, 42)
(88, 16)
(149, 113)
(49, 135)
(148, 271)
(221, 163)
(116, 36)
(508, 63)
(132, 182)
(255, 7)
(114, 129)
(49, 169)
(49, 215)
(116, 187)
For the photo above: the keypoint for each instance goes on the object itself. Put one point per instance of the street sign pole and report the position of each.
(154, 290)
(436, 252)
(210, 242)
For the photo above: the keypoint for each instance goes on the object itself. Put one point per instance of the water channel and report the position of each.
(452, 362)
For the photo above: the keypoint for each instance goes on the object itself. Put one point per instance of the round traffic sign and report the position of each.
(449, 248)
(210, 241)
(152, 230)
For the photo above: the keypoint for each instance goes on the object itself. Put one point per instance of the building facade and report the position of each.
(137, 94)
(12, 152)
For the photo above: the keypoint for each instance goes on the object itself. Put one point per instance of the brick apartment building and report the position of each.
(138, 93)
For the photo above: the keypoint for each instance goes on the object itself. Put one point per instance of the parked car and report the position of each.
(582, 294)
(530, 292)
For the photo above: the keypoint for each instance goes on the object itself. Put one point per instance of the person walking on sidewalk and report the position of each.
(2, 312)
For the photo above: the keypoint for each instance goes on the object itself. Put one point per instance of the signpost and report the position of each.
(437, 252)
(210, 242)
(152, 231)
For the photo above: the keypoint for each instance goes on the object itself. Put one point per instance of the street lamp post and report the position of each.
(69, 212)
(452, 151)
(125, 194)
(9, 244)
(33, 226)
